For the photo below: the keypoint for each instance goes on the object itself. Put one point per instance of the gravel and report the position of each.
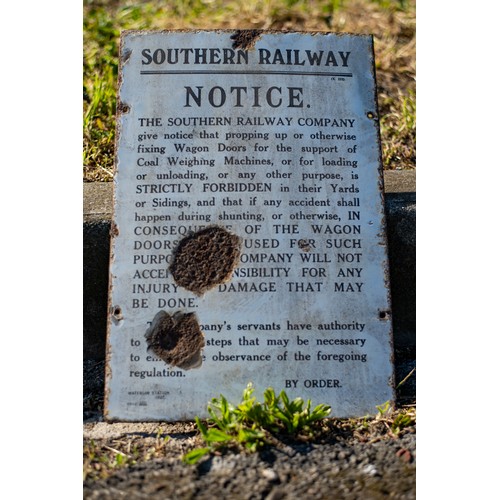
(336, 469)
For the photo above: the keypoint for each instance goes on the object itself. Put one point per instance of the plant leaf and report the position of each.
(216, 435)
(201, 427)
(194, 456)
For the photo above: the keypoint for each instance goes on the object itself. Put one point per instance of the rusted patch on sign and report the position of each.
(205, 259)
(304, 245)
(126, 53)
(122, 108)
(176, 339)
(113, 230)
(245, 39)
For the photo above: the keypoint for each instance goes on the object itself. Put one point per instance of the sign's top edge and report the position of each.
(256, 32)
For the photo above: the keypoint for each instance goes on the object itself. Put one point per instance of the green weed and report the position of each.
(398, 126)
(251, 423)
(395, 422)
(409, 112)
(392, 4)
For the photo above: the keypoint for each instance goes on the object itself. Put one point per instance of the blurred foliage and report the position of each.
(392, 22)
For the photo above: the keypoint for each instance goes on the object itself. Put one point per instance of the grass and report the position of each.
(392, 22)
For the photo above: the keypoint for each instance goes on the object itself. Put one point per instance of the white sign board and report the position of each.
(248, 240)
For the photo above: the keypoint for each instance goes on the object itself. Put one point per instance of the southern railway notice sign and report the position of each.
(248, 237)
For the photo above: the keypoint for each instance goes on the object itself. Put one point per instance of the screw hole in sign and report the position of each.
(383, 314)
(117, 312)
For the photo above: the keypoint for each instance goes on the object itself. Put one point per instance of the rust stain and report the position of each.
(304, 245)
(245, 39)
(126, 55)
(177, 340)
(205, 259)
(107, 377)
(113, 230)
(122, 108)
